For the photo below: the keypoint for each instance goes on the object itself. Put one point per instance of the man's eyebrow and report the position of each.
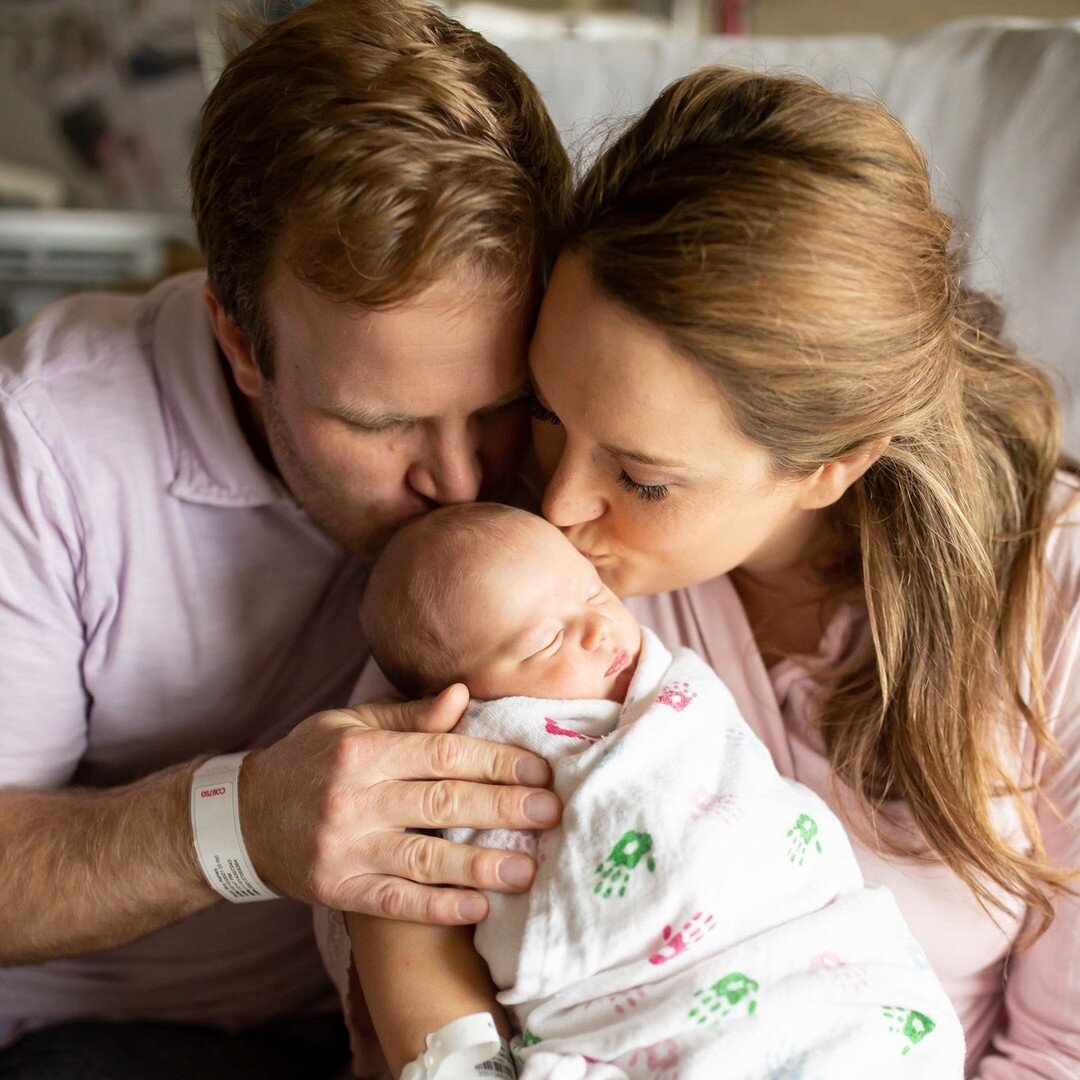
(372, 417)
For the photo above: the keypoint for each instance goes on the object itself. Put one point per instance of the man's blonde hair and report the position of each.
(371, 147)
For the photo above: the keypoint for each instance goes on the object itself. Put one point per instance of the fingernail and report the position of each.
(542, 807)
(532, 772)
(516, 871)
(472, 909)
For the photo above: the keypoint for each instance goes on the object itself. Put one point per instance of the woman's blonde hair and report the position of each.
(373, 146)
(785, 239)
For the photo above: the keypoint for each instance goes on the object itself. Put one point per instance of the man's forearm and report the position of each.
(83, 869)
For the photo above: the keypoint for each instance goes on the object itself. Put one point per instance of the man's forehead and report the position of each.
(455, 340)
(466, 302)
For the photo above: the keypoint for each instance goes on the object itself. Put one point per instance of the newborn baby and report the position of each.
(695, 915)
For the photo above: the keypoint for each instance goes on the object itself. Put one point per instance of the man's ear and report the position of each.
(832, 479)
(235, 345)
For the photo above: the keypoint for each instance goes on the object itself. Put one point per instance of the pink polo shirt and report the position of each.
(1021, 1014)
(161, 596)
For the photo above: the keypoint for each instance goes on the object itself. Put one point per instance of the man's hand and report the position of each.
(323, 811)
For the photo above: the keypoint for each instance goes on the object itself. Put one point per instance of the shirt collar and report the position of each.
(213, 462)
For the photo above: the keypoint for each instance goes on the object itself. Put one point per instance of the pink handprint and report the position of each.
(567, 733)
(521, 840)
(677, 695)
(724, 807)
(695, 928)
(661, 1059)
(621, 1000)
(829, 964)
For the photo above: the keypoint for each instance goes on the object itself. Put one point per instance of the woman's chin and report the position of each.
(626, 581)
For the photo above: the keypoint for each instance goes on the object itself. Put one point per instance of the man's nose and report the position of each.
(570, 497)
(448, 469)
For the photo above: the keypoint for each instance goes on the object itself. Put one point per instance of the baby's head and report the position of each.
(500, 600)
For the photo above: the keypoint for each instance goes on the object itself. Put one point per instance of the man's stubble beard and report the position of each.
(321, 502)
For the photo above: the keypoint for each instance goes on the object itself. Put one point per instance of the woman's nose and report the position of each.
(570, 498)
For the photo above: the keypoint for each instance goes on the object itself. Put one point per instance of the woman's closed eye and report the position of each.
(648, 492)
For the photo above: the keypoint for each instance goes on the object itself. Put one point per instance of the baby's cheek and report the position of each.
(577, 677)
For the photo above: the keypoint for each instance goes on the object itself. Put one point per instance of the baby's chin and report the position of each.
(623, 681)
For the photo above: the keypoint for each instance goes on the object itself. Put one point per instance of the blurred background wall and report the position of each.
(100, 99)
(889, 16)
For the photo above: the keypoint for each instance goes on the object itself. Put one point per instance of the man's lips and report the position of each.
(618, 662)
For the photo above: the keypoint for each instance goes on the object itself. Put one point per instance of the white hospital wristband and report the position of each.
(469, 1048)
(215, 825)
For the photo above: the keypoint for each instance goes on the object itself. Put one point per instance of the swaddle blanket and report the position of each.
(696, 915)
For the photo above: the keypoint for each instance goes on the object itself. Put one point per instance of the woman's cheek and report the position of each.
(644, 529)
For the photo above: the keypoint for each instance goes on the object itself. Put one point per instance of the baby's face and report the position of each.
(536, 620)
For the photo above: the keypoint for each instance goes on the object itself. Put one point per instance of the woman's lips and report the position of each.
(618, 662)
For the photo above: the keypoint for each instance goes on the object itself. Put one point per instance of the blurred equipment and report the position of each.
(45, 254)
(28, 185)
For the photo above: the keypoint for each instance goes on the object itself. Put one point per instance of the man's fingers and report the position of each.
(397, 898)
(443, 711)
(415, 756)
(430, 860)
(439, 713)
(447, 804)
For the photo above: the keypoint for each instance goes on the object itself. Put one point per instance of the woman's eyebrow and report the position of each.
(643, 458)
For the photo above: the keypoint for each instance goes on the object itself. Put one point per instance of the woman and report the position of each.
(766, 408)
(763, 396)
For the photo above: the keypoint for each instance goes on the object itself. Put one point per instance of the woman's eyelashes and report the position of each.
(648, 492)
(539, 410)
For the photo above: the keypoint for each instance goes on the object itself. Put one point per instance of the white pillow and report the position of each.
(996, 105)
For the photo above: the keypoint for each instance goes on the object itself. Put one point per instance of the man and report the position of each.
(185, 480)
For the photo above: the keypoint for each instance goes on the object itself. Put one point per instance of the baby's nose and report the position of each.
(595, 633)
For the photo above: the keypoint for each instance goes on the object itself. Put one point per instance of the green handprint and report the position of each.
(719, 1001)
(625, 855)
(519, 1042)
(914, 1026)
(802, 833)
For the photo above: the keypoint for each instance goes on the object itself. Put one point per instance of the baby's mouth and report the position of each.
(618, 662)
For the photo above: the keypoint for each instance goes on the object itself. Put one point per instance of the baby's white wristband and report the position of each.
(215, 825)
(465, 1049)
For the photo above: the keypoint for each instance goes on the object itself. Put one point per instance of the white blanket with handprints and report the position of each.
(696, 915)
